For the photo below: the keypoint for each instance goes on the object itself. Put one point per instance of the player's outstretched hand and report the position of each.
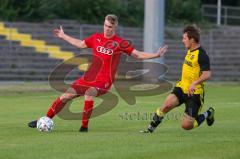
(58, 32)
(162, 50)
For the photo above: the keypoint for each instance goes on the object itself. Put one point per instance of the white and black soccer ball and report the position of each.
(45, 124)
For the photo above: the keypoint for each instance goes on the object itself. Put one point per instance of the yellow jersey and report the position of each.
(194, 63)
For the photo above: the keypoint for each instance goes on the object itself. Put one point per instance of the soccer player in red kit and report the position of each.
(107, 48)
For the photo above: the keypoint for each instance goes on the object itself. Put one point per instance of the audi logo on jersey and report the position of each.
(104, 50)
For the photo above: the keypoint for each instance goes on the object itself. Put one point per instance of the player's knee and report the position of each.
(166, 107)
(88, 98)
(91, 92)
(66, 97)
(187, 125)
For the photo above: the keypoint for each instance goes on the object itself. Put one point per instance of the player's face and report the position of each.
(186, 41)
(109, 29)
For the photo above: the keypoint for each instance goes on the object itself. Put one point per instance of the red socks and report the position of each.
(55, 108)
(58, 105)
(87, 112)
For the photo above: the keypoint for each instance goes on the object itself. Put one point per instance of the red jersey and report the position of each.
(106, 56)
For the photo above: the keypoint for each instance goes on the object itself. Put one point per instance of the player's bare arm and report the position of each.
(205, 76)
(145, 55)
(59, 32)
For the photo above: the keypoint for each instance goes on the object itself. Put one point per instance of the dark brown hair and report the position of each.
(192, 32)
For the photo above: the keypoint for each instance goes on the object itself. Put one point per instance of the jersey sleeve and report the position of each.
(89, 41)
(127, 47)
(203, 60)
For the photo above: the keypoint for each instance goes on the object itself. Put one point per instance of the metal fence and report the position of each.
(229, 15)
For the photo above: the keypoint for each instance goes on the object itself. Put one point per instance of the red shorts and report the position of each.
(80, 86)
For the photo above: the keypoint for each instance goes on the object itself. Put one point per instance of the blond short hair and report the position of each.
(112, 18)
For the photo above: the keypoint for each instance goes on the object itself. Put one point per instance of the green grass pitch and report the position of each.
(116, 133)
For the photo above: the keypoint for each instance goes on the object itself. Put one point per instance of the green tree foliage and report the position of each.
(130, 12)
(25, 10)
(7, 10)
(183, 11)
(86, 11)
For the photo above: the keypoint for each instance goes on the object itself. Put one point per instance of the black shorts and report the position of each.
(193, 104)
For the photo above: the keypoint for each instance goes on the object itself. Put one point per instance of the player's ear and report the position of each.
(192, 40)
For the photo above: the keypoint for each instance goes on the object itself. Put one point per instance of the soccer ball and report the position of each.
(45, 124)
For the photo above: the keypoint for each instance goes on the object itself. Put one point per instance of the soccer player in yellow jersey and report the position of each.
(189, 89)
